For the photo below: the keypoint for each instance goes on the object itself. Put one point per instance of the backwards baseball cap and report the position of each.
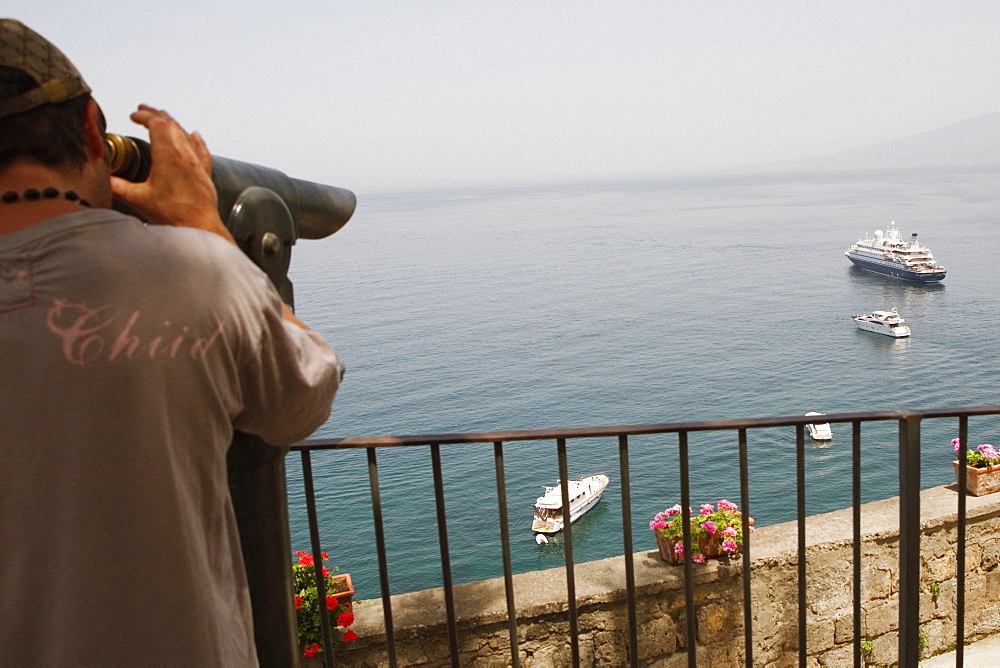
(56, 80)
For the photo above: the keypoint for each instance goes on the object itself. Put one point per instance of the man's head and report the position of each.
(43, 101)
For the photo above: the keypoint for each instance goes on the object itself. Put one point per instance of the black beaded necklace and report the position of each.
(33, 195)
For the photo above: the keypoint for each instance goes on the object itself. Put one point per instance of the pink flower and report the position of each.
(710, 527)
(729, 545)
(679, 549)
(674, 511)
(698, 558)
(728, 505)
(657, 524)
(957, 443)
(707, 509)
(729, 532)
(988, 451)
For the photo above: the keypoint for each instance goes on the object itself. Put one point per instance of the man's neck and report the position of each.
(24, 213)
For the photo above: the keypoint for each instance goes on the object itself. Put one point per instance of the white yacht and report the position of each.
(583, 495)
(820, 431)
(889, 323)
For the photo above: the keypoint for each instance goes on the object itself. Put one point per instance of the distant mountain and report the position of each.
(971, 143)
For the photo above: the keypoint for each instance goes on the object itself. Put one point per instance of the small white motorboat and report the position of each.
(889, 323)
(584, 494)
(820, 431)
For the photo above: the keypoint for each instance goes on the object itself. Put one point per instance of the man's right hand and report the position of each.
(179, 190)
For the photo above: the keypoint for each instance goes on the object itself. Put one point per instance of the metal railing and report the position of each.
(908, 429)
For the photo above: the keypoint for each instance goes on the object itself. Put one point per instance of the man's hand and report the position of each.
(179, 190)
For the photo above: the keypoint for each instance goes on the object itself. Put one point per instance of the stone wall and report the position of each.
(421, 633)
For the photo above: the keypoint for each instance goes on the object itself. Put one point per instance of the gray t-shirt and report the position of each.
(128, 354)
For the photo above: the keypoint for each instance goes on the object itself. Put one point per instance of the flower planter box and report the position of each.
(344, 591)
(715, 531)
(980, 481)
(710, 548)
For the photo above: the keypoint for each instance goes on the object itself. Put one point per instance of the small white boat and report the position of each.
(820, 431)
(889, 323)
(583, 495)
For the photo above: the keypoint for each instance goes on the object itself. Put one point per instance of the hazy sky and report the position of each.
(386, 95)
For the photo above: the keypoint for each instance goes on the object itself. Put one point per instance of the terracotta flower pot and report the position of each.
(709, 547)
(980, 481)
(344, 591)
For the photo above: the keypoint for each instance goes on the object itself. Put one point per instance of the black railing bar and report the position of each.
(317, 550)
(800, 494)
(380, 549)
(442, 522)
(633, 624)
(574, 631)
(691, 618)
(745, 530)
(909, 541)
(856, 527)
(963, 437)
(508, 567)
(631, 430)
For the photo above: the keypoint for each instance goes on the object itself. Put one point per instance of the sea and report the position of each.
(632, 302)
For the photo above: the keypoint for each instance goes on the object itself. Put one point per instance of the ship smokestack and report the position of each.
(913, 239)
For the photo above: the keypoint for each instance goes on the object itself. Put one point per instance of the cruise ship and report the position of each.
(888, 254)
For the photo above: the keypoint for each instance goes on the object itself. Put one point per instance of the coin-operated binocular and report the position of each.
(264, 210)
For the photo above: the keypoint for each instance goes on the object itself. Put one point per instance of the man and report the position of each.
(129, 352)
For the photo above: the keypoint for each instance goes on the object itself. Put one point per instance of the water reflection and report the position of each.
(882, 343)
(887, 292)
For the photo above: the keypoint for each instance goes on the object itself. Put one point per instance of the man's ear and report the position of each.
(93, 131)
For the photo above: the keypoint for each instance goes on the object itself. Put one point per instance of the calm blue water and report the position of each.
(626, 303)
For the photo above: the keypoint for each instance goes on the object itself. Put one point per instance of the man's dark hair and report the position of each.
(51, 135)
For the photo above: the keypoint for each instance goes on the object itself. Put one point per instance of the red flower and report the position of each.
(331, 603)
(305, 559)
(311, 650)
(345, 619)
(326, 572)
(324, 555)
(350, 635)
(298, 602)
